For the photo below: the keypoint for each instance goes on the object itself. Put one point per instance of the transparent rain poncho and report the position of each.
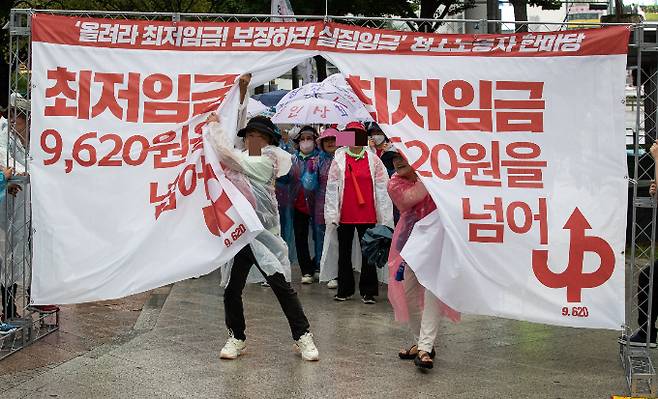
(322, 171)
(255, 177)
(302, 178)
(284, 197)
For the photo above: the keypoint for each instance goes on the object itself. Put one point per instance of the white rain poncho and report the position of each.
(254, 176)
(332, 208)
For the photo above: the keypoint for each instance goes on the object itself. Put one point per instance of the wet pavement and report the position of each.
(82, 328)
(172, 352)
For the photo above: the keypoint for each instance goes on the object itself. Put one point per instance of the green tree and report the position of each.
(429, 9)
(436, 9)
(182, 6)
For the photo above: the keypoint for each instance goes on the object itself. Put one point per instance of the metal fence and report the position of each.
(26, 323)
(643, 61)
(641, 101)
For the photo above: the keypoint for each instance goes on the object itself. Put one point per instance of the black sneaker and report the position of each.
(638, 339)
(341, 298)
(368, 299)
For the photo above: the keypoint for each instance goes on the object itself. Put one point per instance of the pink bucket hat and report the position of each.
(326, 133)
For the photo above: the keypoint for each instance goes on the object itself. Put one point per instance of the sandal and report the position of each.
(423, 360)
(411, 353)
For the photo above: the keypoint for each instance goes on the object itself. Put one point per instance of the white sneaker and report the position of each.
(232, 349)
(316, 276)
(332, 284)
(307, 279)
(306, 347)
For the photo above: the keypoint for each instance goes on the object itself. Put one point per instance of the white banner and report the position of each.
(122, 181)
(526, 160)
(519, 139)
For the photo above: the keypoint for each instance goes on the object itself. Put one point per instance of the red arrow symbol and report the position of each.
(215, 215)
(573, 277)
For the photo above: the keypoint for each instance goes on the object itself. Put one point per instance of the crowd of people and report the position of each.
(318, 190)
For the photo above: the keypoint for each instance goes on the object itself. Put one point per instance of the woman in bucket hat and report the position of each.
(259, 165)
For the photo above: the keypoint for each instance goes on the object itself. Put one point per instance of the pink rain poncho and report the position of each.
(414, 203)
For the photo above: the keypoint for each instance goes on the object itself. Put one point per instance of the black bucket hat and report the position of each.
(261, 124)
(305, 129)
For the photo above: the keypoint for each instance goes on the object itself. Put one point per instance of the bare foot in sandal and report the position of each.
(423, 360)
(409, 354)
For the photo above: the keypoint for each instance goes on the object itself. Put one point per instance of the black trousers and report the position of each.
(300, 225)
(234, 310)
(9, 301)
(643, 316)
(368, 281)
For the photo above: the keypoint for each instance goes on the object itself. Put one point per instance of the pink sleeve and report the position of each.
(405, 194)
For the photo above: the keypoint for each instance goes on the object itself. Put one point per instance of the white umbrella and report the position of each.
(343, 96)
(255, 107)
(336, 79)
(311, 90)
(313, 110)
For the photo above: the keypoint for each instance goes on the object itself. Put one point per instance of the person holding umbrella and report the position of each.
(303, 182)
(327, 145)
(356, 199)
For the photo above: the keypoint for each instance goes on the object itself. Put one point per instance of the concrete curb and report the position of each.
(148, 318)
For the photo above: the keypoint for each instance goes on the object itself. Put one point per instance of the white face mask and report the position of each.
(306, 146)
(378, 139)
